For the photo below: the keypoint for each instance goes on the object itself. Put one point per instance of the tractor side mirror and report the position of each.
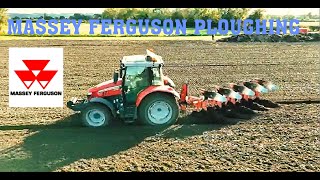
(115, 77)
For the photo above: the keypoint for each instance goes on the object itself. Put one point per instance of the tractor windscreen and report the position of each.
(137, 77)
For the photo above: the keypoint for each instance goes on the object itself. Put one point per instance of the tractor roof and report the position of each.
(150, 59)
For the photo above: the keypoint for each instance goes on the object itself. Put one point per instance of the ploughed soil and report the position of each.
(280, 139)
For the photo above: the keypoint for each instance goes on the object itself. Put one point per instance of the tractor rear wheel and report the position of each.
(96, 115)
(158, 109)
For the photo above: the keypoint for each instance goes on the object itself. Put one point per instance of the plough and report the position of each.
(244, 93)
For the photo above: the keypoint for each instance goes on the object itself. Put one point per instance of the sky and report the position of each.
(273, 11)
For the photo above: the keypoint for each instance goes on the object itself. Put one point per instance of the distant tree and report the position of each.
(257, 14)
(177, 14)
(273, 17)
(77, 16)
(110, 13)
(243, 13)
(233, 13)
(125, 13)
(309, 15)
(3, 18)
(142, 13)
(288, 17)
(16, 18)
(154, 13)
(48, 17)
(62, 17)
(97, 16)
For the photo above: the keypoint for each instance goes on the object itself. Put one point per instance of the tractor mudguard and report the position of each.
(152, 89)
(105, 102)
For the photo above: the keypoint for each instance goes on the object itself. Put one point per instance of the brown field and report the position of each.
(281, 139)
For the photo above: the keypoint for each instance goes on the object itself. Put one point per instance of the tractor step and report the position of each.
(129, 112)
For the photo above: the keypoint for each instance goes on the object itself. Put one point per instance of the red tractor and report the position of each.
(140, 91)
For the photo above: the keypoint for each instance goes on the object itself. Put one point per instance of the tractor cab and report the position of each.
(140, 76)
(139, 72)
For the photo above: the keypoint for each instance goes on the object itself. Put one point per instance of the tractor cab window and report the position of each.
(136, 79)
(156, 74)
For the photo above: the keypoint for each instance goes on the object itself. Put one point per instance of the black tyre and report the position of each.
(96, 115)
(158, 109)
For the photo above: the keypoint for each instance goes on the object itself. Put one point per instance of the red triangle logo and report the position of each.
(36, 72)
(44, 77)
(36, 64)
(28, 84)
(43, 84)
(26, 77)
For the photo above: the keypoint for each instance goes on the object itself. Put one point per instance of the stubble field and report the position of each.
(281, 139)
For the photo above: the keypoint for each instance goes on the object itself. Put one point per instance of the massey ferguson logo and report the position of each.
(36, 77)
(35, 72)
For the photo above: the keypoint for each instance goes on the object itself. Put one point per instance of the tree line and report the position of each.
(190, 14)
(76, 16)
(3, 18)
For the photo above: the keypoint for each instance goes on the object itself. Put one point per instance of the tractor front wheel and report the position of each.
(158, 109)
(96, 115)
